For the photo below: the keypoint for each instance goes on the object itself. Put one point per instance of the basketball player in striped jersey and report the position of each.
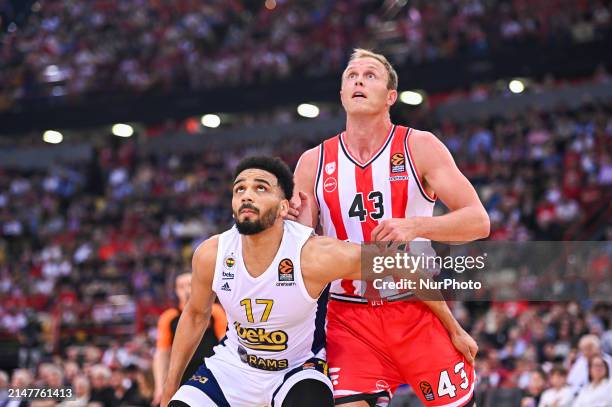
(378, 181)
(268, 274)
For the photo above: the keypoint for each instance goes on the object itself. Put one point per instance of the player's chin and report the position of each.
(247, 217)
(360, 108)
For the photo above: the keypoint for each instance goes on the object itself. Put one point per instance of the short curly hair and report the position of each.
(274, 166)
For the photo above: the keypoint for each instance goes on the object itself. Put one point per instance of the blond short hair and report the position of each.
(359, 53)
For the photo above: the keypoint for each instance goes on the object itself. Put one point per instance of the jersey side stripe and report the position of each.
(330, 193)
(319, 170)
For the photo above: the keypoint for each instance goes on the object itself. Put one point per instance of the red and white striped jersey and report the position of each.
(353, 197)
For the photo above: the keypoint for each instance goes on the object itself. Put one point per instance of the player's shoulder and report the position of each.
(318, 243)
(315, 252)
(321, 247)
(205, 255)
(423, 136)
(309, 158)
(422, 142)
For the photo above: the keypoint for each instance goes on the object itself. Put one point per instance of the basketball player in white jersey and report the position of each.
(377, 181)
(268, 274)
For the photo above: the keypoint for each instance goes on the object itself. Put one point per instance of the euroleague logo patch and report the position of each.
(330, 184)
(285, 270)
(427, 391)
(398, 163)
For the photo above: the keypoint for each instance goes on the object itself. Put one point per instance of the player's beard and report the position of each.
(250, 227)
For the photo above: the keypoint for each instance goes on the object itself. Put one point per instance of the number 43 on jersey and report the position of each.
(359, 210)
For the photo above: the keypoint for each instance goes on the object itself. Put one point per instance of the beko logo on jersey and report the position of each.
(398, 163)
(260, 339)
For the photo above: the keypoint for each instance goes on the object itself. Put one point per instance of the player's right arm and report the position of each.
(325, 259)
(194, 318)
(305, 211)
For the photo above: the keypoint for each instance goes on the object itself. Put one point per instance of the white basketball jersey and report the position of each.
(273, 323)
(353, 197)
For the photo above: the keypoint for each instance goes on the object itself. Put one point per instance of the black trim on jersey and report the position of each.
(222, 341)
(362, 397)
(345, 150)
(319, 170)
(417, 180)
(319, 336)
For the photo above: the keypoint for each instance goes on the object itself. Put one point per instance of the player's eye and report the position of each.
(352, 75)
(239, 189)
(261, 188)
(371, 76)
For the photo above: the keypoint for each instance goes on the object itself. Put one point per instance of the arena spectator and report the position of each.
(589, 347)
(559, 394)
(101, 390)
(80, 386)
(535, 388)
(598, 391)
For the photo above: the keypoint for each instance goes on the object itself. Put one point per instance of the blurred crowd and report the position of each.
(88, 252)
(71, 48)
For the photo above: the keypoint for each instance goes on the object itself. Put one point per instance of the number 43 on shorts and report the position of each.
(446, 387)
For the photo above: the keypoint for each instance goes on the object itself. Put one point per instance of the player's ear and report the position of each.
(391, 97)
(284, 208)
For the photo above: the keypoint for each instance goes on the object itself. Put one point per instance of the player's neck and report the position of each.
(259, 250)
(366, 134)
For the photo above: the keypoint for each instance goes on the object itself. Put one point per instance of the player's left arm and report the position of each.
(467, 219)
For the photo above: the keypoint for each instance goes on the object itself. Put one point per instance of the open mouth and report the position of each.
(359, 95)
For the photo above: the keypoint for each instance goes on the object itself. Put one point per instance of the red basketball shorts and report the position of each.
(372, 350)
